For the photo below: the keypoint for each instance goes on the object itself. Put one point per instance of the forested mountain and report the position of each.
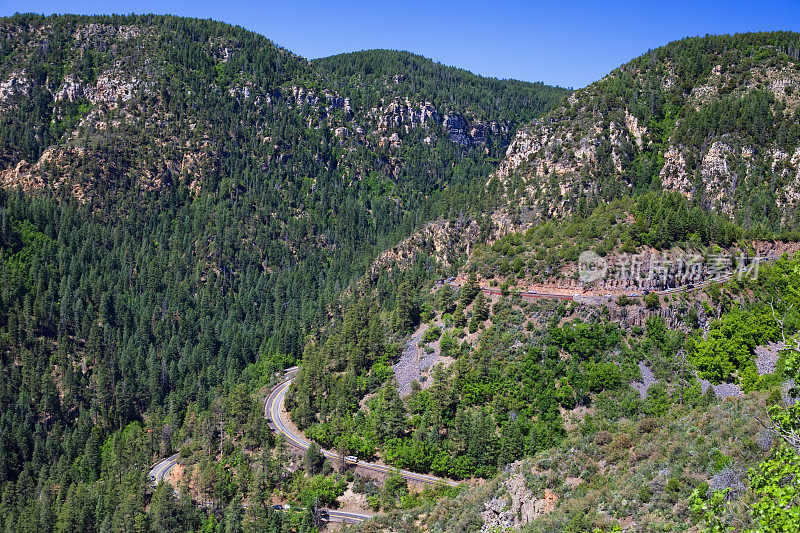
(714, 118)
(370, 76)
(182, 202)
(575, 407)
(188, 209)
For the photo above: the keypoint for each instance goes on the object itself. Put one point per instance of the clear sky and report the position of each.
(568, 43)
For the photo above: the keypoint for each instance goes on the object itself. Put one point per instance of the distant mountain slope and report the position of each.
(180, 203)
(76, 91)
(472, 108)
(715, 118)
(118, 111)
(95, 101)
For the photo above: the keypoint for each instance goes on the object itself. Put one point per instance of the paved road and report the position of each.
(684, 288)
(161, 469)
(345, 517)
(272, 410)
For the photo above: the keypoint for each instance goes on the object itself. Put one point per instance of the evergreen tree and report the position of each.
(313, 459)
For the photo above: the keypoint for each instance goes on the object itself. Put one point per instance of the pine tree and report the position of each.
(445, 299)
(314, 459)
(470, 290)
(407, 307)
(480, 309)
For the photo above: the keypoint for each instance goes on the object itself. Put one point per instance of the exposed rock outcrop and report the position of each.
(599, 139)
(520, 507)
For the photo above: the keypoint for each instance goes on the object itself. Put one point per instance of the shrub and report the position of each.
(324, 488)
(566, 396)
(602, 438)
(730, 346)
(374, 503)
(431, 334)
(603, 376)
(646, 425)
(651, 301)
(657, 402)
(621, 442)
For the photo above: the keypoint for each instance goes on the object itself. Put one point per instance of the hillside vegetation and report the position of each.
(371, 75)
(187, 210)
(182, 202)
(714, 118)
(505, 378)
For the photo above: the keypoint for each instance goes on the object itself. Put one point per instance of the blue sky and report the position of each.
(569, 43)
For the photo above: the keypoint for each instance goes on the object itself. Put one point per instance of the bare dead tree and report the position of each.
(780, 321)
(788, 432)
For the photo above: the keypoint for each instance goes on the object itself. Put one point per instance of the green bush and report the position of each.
(604, 376)
(651, 301)
(730, 346)
(431, 334)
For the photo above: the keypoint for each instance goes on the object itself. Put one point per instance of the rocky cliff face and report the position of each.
(707, 118)
(396, 118)
(93, 113)
(448, 241)
(141, 103)
(519, 506)
(405, 98)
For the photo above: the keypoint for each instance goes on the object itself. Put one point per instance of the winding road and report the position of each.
(272, 410)
(453, 282)
(273, 406)
(160, 470)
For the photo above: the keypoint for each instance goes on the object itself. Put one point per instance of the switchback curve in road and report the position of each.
(163, 467)
(272, 410)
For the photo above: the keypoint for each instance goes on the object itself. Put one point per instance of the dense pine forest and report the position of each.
(187, 210)
(168, 244)
(367, 76)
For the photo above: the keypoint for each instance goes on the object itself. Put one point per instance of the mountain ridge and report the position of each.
(188, 209)
(652, 123)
